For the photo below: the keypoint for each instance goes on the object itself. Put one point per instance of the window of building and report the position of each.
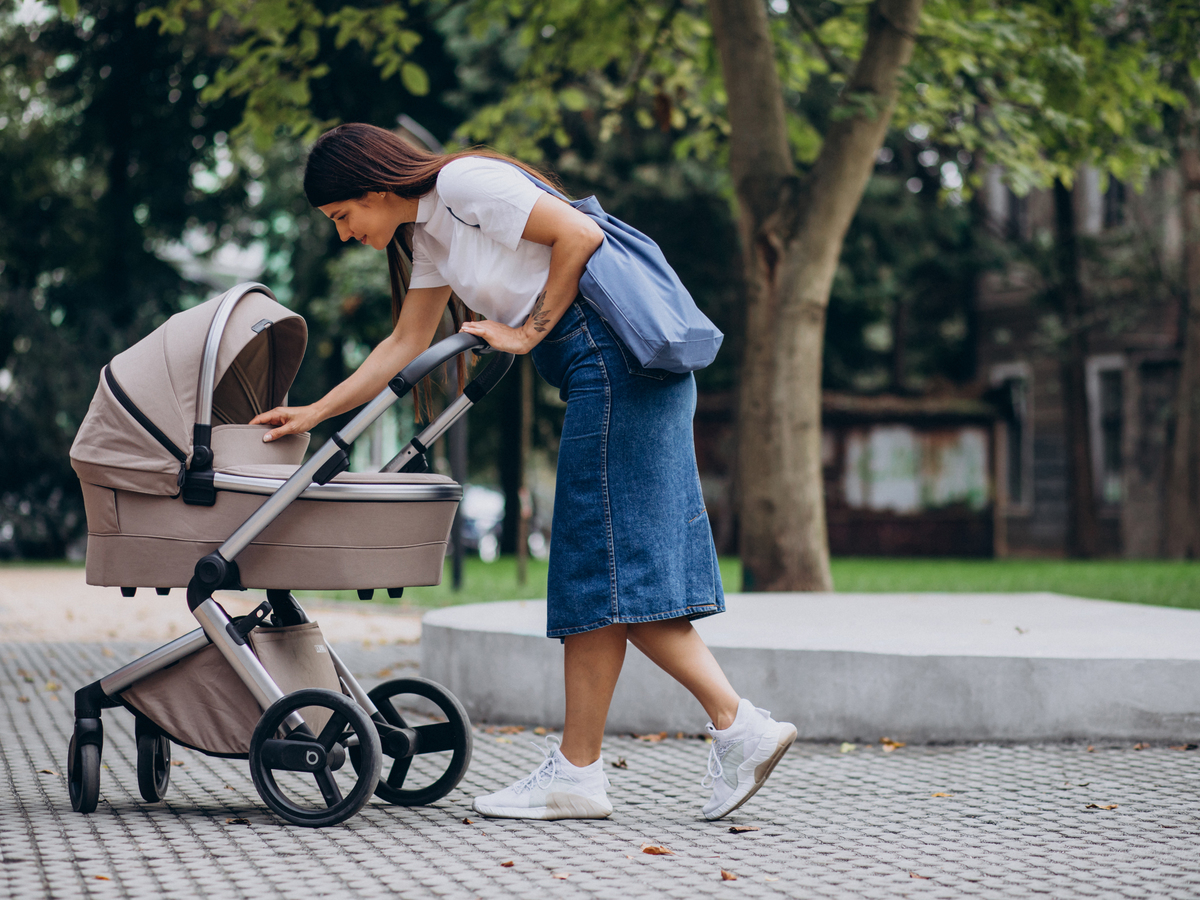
(1014, 389)
(1106, 414)
(1114, 204)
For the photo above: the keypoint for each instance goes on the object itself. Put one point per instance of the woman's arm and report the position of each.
(419, 318)
(572, 238)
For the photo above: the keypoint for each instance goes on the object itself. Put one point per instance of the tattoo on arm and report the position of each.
(539, 315)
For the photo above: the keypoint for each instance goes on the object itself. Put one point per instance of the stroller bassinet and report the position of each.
(136, 455)
(180, 491)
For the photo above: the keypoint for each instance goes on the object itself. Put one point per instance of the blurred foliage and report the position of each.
(140, 157)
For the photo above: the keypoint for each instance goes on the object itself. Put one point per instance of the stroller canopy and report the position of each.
(138, 432)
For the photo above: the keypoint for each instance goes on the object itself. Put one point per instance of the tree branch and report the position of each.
(800, 14)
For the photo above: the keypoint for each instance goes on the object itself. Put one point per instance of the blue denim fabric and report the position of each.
(631, 540)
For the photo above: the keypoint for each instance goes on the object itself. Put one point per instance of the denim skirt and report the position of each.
(631, 539)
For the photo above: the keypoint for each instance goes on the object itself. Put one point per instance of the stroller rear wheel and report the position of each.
(295, 775)
(83, 776)
(153, 761)
(428, 771)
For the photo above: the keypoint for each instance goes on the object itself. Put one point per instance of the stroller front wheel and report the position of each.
(302, 777)
(83, 776)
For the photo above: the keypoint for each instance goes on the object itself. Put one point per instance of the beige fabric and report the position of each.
(161, 375)
(100, 504)
(296, 657)
(313, 545)
(201, 701)
(243, 444)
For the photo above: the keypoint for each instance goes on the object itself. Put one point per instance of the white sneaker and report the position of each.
(556, 790)
(742, 756)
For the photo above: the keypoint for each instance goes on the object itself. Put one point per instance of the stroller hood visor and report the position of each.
(260, 351)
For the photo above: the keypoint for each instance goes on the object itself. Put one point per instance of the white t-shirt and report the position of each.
(468, 235)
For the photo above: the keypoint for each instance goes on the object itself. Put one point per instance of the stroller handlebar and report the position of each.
(441, 352)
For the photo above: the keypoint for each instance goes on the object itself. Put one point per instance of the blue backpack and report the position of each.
(635, 290)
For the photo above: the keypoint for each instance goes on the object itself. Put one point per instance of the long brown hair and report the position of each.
(355, 159)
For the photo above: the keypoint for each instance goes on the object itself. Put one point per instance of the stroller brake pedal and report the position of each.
(242, 626)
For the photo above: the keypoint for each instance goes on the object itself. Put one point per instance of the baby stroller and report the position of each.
(181, 492)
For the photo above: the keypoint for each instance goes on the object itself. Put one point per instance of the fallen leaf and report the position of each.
(1183, 747)
(102, 878)
(657, 850)
(53, 686)
(539, 731)
(941, 794)
(915, 875)
(177, 762)
(1141, 745)
(383, 673)
(22, 699)
(889, 745)
(847, 747)
(770, 878)
(507, 865)
(468, 822)
(652, 738)
(47, 772)
(503, 740)
(726, 875)
(511, 729)
(742, 829)
(1091, 749)
(238, 821)
(1097, 806)
(679, 735)
(620, 763)
(1021, 630)
(561, 876)
(25, 675)
(104, 651)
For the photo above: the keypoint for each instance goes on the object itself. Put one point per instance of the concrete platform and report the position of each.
(913, 667)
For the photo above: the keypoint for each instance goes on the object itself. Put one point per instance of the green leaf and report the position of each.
(416, 82)
(70, 8)
(573, 99)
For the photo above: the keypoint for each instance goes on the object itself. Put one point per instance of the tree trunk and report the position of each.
(1083, 530)
(791, 233)
(1183, 491)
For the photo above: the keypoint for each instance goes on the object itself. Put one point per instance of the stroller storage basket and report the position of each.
(201, 703)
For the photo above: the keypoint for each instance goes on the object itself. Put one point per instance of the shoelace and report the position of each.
(716, 753)
(548, 770)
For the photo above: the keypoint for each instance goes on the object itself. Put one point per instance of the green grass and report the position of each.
(1155, 582)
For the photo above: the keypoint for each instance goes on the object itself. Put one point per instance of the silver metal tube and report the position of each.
(351, 683)
(391, 493)
(431, 433)
(212, 345)
(276, 503)
(241, 658)
(154, 661)
(372, 411)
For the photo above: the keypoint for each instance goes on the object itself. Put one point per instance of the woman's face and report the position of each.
(372, 219)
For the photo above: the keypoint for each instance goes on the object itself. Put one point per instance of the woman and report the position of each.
(632, 557)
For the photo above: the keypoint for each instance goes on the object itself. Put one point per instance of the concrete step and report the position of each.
(914, 667)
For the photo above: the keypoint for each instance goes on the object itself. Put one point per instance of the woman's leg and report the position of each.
(591, 663)
(676, 648)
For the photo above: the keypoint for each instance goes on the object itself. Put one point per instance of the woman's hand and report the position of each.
(290, 419)
(501, 337)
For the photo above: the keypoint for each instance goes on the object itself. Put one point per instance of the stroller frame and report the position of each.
(364, 725)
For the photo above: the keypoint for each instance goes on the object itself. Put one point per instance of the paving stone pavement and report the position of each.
(922, 821)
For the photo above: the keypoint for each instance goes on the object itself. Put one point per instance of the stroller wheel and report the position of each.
(83, 776)
(443, 746)
(303, 777)
(153, 763)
